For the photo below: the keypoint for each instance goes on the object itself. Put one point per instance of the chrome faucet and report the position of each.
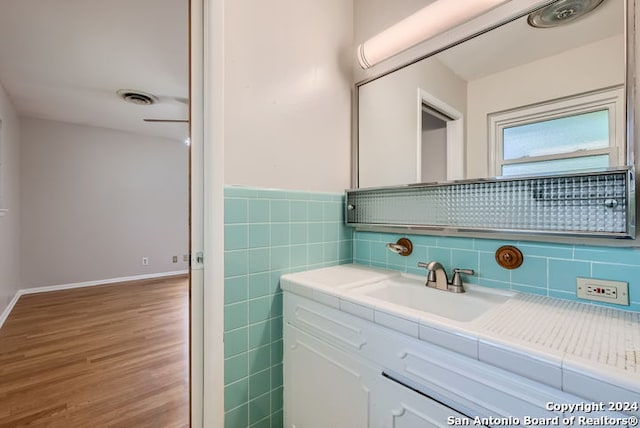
(437, 277)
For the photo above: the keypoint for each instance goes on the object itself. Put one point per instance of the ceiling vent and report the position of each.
(137, 97)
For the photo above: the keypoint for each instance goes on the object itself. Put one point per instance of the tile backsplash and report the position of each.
(548, 269)
(269, 233)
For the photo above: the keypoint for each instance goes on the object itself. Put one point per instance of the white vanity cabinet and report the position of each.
(333, 374)
(326, 387)
(347, 371)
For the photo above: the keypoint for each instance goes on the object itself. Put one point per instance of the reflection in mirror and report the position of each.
(515, 100)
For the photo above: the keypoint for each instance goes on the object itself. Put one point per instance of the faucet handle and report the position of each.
(456, 281)
(431, 274)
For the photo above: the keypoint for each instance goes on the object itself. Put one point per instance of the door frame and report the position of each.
(206, 58)
(455, 136)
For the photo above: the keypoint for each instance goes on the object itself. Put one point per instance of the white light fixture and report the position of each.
(436, 18)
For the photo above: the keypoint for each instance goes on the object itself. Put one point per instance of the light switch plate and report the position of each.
(600, 290)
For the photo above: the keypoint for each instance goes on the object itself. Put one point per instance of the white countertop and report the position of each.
(587, 350)
(601, 335)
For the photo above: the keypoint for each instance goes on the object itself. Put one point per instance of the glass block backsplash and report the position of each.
(594, 204)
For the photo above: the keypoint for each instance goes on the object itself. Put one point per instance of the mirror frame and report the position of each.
(630, 83)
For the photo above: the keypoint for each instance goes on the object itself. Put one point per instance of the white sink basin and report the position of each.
(412, 293)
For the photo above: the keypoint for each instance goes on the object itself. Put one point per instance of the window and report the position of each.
(571, 134)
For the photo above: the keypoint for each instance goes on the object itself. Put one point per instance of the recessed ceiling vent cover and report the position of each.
(561, 12)
(137, 97)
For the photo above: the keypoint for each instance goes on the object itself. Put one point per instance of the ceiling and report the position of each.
(517, 43)
(64, 60)
(508, 46)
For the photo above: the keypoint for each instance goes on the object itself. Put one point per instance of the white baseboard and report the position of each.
(23, 291)
(9, 308)
(100, 282)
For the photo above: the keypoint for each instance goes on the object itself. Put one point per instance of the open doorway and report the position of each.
(104, 195)
(440, 144)
(434, 145)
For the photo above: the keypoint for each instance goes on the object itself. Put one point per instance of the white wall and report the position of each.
(288, 77)
(95, 201)
(597, 65)
(9, 220)
(388, 120)
(434, 149)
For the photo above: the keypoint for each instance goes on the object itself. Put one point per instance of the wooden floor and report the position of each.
(104, 356)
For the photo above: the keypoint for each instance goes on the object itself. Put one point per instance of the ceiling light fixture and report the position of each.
(561, 12)
(436, 18)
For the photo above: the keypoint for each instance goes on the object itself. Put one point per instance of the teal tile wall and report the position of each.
(272, 232)
(269, 233)
(548, 269)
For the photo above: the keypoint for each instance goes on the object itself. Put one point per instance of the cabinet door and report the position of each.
(323, 386)
(398, 406)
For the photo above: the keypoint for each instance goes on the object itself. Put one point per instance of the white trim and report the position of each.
(100, 282)
(46, 289)
(454, 139)
(9, 308)
(196, 193)
(213, 228)
(3, 205)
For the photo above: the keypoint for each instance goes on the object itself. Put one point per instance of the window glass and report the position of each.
(586, 131)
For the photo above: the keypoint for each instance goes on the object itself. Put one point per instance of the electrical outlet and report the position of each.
(175, 259)
(603, 291)
(185, 258)
(145, 261)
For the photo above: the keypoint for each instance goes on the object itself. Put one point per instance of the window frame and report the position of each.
(611, 99)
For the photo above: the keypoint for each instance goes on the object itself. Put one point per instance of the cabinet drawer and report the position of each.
(331, 325)
(458, 381)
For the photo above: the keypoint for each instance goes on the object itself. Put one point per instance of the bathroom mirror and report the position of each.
(515, 100)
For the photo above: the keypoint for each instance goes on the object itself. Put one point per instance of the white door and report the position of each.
(324, 387)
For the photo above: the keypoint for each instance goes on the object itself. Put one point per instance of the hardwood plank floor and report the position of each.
(104, 356)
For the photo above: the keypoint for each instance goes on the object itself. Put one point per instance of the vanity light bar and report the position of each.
(436, 18)
(596, 204)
